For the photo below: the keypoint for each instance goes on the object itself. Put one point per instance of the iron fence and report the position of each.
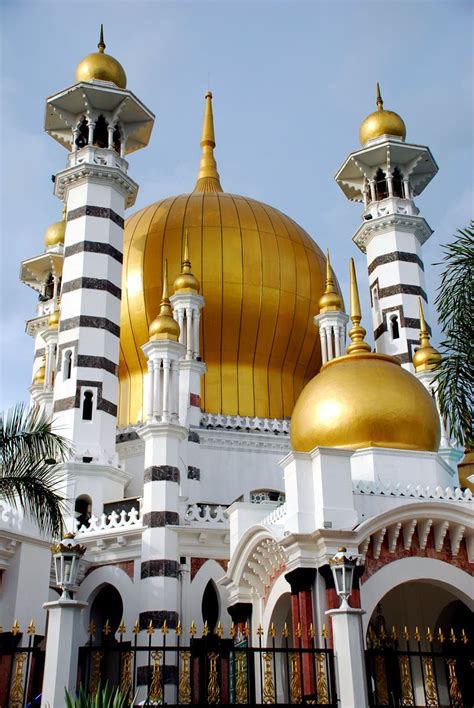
(21, 668)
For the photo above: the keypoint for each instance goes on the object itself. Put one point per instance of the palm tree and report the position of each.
(30, 453)
(455, 303)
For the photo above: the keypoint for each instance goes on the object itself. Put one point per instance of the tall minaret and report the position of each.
(385, 175)
(98, 121)
(332, 319)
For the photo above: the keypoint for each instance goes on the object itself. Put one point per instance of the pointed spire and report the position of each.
(208, 178)
(357, 333)
(379, 98)
(164, 326)
(101, 45)
(186, 281)
(330, 301)
(426, 357)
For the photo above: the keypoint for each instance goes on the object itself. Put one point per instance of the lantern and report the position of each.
(343, 567)
(66, 557)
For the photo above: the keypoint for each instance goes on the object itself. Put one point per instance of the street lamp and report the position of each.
(66, 557)
(343, 567)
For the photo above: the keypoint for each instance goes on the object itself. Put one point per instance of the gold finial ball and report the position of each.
(53, 321)
(186, 283)
(99, 65)
(365, 400)
(164, 327)
(426, 358)
(330, 302)
(381, 123)
(55, 234)
(40, 375)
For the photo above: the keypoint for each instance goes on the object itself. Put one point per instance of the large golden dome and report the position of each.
(261, 276)
(364, 399)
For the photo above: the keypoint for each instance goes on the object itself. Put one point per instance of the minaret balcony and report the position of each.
(93, 155)
(390, 205)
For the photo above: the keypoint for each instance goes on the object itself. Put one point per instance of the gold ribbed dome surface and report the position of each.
(365, 400)
(55, 234)
(102, 66)
(381, 122)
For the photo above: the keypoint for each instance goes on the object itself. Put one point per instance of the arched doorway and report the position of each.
(419, 641)
(105, 615)
(281, 615)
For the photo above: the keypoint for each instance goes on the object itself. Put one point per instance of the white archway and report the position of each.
(210, 570)
(428, 570)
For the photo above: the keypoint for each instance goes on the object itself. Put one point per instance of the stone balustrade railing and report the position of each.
(207, 513)
(409, 490)
(276, 516)
(99, 524)
(237, 422)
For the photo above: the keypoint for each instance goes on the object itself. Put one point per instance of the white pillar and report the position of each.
(337, 340)
(166, 386)
(324, 351)
(196, 333)
(62, 649)
(329, 343)
(189, 333)
(349, 656)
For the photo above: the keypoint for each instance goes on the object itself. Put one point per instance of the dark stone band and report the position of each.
(193, 437)
(101, 212)
(97, 362)
(90, 321)
(91, 284)
(169, 672)
(161, 567)
(158, 519)
(161, 473)
(65, 404)
(402, 289)
(94, 247)
(393, 257)
(194, 473)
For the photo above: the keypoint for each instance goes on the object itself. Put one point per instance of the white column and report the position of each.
(196, 332)
(180, 314)
(349, 656)
(324, 351)
(62, 650)
(156, 388)
(337, 340)
(91, 126)
(329, 343)
(110, 131)
(372, 190)
(189, 333)
(149, 392)
(166, 386)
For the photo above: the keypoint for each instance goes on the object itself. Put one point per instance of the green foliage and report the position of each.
(455, 303)
(106, 697)
(30, 453)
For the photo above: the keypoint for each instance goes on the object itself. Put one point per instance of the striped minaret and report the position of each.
(98, 121)
(163, 436)
(385, 175)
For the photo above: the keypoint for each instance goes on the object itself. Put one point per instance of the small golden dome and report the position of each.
(381, 122)
(99, 65)
(426, 357)
(53, 321)
(40, 374)
(186, 282)
(330, 301)
(364, 400)
(164, 326)
(55, 233)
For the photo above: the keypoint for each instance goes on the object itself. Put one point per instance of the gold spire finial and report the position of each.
(356, 333)
(101, 45)
(208, 178)
(426, 357)
(164, 326)
(186, 282)
(330, 301)
(379, 98)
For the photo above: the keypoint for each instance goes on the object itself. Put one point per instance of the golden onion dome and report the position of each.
(381, 122)
(164, 326)
(186, 282)
(426, 357)
(330, 301)
(53, 321)
(261, 276)
(363, 400)
(54, 234)
(40, 374)
(99, 65)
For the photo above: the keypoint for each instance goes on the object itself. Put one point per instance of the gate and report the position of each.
(160, 666)
(21, 668)
(419, 668)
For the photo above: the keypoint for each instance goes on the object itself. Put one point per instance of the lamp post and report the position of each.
(343, 567)
(347, 633)
(63, 638)
(66, 557)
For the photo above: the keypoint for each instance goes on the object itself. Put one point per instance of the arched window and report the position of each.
(397, 183)
(83, 509)
(394, 327)
(101, 136)
(210, 606)
(67, 365)
(87, 405)
(381, 190)
(83, 137)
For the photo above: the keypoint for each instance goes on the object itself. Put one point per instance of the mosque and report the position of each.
(235, 439)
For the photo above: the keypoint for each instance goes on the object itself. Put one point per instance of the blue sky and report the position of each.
(291, 82)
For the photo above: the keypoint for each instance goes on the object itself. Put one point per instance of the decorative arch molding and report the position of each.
(209, 571)
(279, 588)
(96, 580)
(427, 570)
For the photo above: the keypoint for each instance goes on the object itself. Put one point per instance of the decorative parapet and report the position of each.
(275, 517)
(10, 518)
(206, 513)
(245, 423)
(409, 490)
(124, 520)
